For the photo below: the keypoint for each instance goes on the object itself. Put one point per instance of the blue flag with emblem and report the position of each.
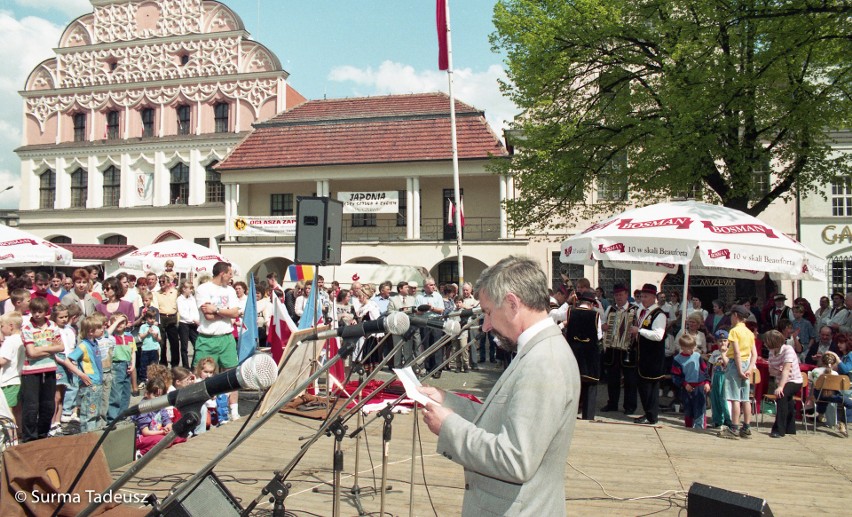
(306, 322)
(248, 327)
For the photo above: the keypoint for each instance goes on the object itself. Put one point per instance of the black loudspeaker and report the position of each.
(209, 498)
(709, 501)
(319, 231)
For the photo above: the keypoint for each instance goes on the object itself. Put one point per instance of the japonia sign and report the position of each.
(378, 202)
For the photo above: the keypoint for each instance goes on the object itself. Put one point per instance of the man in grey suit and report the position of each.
(514, 447)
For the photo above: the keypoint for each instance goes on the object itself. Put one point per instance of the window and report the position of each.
(112, 186)
(841, 196)
(612, 180)
(572, 271)
(80, 127)
(112, 125)
(148, 122)
(184, 59)
(179, 185)
(220, 116)
(47, 189)
(694, 192)
(448, 272)
(363, 220)
(281, 204)
(79, 188)
(202, 241)
(449, 212)
(608, 277)
(60, 239)
(403, 207)
(214, 187)
(761, 181)
(841, 275)
(183, 119)
(116, 240)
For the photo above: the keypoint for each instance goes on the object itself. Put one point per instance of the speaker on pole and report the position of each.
(709, 501)
(319, 231)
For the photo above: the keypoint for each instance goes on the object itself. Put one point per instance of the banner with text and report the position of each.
(369, 202)
(251, 226)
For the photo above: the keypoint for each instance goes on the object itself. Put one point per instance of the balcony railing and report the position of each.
(385, 230)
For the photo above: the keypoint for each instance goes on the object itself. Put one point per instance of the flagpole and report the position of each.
(457, 215)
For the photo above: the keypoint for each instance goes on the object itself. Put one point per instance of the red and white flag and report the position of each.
(443, 48)
(281, 326)
(451, 213)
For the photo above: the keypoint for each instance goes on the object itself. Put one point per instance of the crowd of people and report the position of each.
(638, 345)
(76, 349)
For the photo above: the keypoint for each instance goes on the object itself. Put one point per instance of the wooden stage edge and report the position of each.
(614, 467)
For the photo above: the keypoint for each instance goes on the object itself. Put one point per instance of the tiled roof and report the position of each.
(393, 128)
(97, 251)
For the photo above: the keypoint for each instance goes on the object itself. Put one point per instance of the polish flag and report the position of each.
(443, 49)
(281, 326)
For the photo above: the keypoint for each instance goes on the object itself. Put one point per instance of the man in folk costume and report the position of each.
(650, 331)
(780, 312)
(583, 332)
(619, 357)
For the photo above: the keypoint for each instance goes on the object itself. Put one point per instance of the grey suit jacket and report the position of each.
(89, 302)
(514, 447)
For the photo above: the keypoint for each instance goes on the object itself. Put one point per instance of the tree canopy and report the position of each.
(650, 99)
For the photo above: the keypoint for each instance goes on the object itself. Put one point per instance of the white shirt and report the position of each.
(528, 334)
(188, 309)
(223, 297)
(560, 314)
(13, 351)
(658, 326)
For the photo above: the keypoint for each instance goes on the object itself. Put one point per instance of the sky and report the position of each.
(330, 48)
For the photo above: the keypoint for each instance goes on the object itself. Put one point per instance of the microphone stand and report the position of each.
(188, 421)
(355, 490)
(387, 415)
(279, 491)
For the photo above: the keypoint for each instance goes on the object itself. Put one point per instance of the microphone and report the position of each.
(258, 372)
(394, 323)
(451, 327)
(465, 313)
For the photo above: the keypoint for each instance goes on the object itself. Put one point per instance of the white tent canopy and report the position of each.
(187, 256)
(19, 248)
(706, 239)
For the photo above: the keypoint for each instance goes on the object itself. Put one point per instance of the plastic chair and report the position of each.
(755, 380)
(828, 382)
(770, 397)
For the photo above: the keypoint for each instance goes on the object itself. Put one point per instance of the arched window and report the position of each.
(60, 239)
(112, 186)
(47, 189)
(215, 189)
(79, 188)
(179, 184)
(116, 239)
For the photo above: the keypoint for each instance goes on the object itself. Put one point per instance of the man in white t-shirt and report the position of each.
(218, 306)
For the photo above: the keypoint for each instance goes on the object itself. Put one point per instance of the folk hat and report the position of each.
(650, 289)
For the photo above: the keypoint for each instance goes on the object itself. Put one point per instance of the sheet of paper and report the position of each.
(410, 382)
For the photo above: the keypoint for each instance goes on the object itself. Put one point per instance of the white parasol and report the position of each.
(705, 239)
(19, 248)
(187, 257)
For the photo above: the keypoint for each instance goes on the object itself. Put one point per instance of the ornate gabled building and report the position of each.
(123, 126)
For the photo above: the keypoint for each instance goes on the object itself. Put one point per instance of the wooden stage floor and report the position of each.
(611, 461)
